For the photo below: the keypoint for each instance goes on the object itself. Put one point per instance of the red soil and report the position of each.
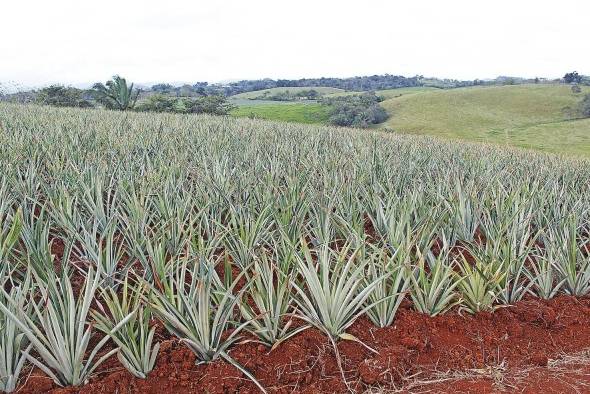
(512, 349)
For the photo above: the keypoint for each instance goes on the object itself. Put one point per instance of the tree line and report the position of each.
(118, 94)
(359, 84)
(307, 94)
(365, 83)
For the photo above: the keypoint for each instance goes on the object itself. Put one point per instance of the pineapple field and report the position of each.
(145, 252)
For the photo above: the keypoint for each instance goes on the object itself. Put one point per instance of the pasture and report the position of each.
(528, 116)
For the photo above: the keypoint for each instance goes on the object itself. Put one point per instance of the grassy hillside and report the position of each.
(256, 93)
(530, 116)
(388, 93)
(291, 112)
(240, 102)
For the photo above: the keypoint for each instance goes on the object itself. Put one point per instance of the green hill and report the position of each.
(530, 116)
(293, 90)
(290, 112)
(387, 93)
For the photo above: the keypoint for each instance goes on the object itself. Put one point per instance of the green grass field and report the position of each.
(306, 111)
(257, 93)
(528, 116)
(240, 102)
(292, 112)
(387, 93)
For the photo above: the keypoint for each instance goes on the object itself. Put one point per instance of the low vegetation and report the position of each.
(61, 96)
(215, 105)
(117, 94)
(359, 110)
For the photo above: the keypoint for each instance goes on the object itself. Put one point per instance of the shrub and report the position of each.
(356, 110)
(62, 96)
(214, 105)
(158, 103)
(572, 77)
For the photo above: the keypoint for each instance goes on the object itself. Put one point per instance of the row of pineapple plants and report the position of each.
(325, 275)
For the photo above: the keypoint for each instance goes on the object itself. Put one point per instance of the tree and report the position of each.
(163, 88)
(116, 94)
(214, 105)
(185, 90)
(61, 96)
(158, 103)
(355, 110)
(572, 77)
(509, 81)
(310, 94)
(201, 88)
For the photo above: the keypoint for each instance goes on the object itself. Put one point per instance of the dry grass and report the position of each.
(570, 371)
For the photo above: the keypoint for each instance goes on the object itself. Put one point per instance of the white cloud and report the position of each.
(81, 42)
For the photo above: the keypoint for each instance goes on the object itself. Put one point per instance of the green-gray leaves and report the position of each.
(116, 94)
(135, 337)
(59, 329)
(332, 289)
(196, 307)
(433, 284)
(14, 345)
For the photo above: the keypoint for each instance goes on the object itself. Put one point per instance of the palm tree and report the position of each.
(116, 94)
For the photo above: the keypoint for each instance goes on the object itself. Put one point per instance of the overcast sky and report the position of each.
(78, 42)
